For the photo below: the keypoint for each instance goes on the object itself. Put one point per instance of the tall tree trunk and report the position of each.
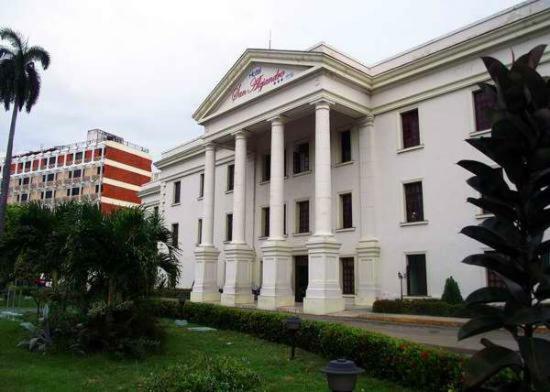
(6, 171)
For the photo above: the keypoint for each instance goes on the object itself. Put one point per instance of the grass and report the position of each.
(21, 370)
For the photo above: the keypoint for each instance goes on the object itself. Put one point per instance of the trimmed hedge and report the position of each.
(409, 364)
(423, 307)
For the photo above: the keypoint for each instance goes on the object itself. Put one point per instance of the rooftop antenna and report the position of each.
(269, 38)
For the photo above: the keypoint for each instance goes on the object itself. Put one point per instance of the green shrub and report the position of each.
(209, 374)
(451, 292)
(409, 364)
(424, 307)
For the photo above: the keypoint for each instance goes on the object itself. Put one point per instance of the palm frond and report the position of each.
(33, 87)
(13, 37)
(38, 53)
(4, 51)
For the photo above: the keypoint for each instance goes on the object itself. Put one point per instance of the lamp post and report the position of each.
(292, 326)
(342, 375)
(401, 277)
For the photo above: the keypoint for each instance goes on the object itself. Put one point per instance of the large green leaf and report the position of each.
(504, 265)
(543, 290)
(531, 58)
(480, 325)
(486, 363)
(487, 295)
(496, 207)
(530, 315)
(506, 154)
(536, 353)
(497, 234)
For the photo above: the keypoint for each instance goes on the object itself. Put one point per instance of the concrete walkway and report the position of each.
(432, 331)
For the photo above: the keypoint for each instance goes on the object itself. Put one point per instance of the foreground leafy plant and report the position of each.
(209, 374)
(518, 195)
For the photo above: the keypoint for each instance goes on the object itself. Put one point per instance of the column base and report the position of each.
(277, 272)
(368, 255)
(238, 275)
(205, 288)
(323, 294)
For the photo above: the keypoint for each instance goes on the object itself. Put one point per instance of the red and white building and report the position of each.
(104, 168)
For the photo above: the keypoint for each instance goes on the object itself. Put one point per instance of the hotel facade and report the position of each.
(104, 169)
(319, 180)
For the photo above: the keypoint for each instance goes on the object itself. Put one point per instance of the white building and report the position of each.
(319, 178)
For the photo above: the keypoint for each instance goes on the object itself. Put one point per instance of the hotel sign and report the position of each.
(260, 79)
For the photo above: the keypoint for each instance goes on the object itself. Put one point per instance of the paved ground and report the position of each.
(432, 331)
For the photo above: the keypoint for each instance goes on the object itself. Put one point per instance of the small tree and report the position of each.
(518, 194)
(451, 292)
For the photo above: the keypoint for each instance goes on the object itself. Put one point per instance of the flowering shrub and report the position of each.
(409, 364)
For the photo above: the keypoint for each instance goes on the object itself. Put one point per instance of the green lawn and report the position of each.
(21, 370)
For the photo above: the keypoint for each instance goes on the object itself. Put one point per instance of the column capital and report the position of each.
(241, 134)
(279, 118)
(366, 121)
(322, 103)
(209, 146)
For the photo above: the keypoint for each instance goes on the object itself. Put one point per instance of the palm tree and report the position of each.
(20, 86)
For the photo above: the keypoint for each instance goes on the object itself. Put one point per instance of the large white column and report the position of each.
(238, 255)
(368, 249)
(205, 288)
(277, 267)
(323, 294)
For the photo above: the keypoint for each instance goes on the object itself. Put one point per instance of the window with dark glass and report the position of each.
(414, 202)
(346, 206)
(48, 194)
(348, 275)
(26, 180)
(52, 161)
(156, 210)
(303, 216)
(75, 191)
(416, 275)
(345, 146)
(78, 156)
(266, 167)
(177, 192)
(265, 222)
(69, 192)
(28, 165)
(97, 189)
(230, 177)
(410, 128)
(483, 102)
(201, 185)
(24, 196)
(301, 158)
(175, 234)
(48, 177)
(229, 227)
(77, 173)
(199, 231)
(99, 170)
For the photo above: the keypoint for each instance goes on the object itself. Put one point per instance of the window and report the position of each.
(410, 129)
(345, 146)
(99, 170)
(229, 227)
(482, 103)
(302, 216)
(175, 234)
(52, 161)
(48, 194)
(75, 191)
(49, 177)
(201, 186)
(156, 210)
(28, 165)
(414, 202)
(199, 231)
(416, 275)
(346, 208)
(230, 177)
(266, 167)
(265, 222)
(24, 197)
(97, 189)
(301, 158)
(348, 275)
(26, 180)
(78, 156)
(177, 192)
(75, 173)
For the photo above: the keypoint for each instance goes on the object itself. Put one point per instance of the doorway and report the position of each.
(301, 277)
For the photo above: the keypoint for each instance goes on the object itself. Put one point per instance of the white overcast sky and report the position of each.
(141, 68)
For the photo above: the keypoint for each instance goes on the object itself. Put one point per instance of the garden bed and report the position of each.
(21, 370)
(422, 307)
